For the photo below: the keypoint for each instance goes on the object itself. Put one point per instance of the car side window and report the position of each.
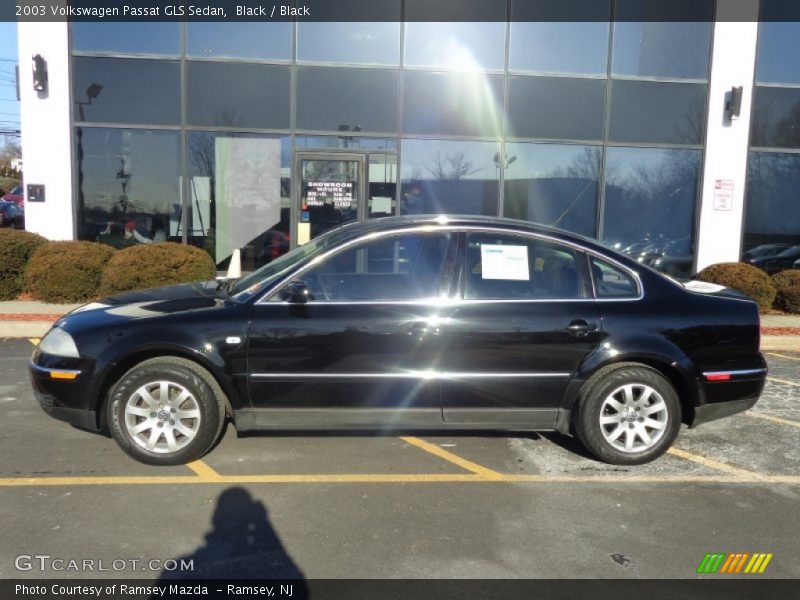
(612, 282)
(506, 267)
(390, 268)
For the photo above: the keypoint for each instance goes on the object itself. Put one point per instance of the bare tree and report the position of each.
(452, 167)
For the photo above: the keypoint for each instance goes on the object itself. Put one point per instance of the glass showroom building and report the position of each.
(260, 136)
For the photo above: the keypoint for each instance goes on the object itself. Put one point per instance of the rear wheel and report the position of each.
(165, 411)
(628, 415)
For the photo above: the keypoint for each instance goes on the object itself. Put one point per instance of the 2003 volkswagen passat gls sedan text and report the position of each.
(410, 323)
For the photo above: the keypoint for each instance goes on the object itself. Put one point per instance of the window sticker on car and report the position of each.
(703, 287)
(504, 262)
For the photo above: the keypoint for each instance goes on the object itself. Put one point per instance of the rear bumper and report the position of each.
(712, 412)
(729, 392)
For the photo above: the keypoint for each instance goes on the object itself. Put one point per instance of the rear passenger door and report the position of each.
(524, 321)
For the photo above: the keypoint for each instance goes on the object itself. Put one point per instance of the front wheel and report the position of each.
(164, 411)
(628, 415)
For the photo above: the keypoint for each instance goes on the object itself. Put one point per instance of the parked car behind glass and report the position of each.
(780, 262)
(11, 215)
(17, 196)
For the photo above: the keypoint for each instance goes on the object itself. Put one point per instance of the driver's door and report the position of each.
(360, 351)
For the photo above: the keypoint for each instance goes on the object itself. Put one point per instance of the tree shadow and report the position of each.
(241, 545)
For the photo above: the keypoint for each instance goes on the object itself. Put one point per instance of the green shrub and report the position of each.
(787, 283)
(16, 248)
(748, 279)
(154, 265)
(66, 271)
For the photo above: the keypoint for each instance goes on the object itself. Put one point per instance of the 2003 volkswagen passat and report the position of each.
(410, 323)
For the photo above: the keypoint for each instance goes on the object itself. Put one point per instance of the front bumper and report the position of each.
(61, 387)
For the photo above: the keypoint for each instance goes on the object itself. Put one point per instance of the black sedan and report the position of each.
(407, 323)
(779, 262)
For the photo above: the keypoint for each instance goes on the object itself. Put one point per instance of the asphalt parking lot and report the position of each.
(399, 506)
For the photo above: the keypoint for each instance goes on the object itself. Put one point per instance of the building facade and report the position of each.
(261, 136)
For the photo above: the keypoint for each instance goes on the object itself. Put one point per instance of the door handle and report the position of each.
(420, 329)
(580, 328)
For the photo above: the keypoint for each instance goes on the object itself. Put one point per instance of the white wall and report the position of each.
(45, 121)
(732, 64)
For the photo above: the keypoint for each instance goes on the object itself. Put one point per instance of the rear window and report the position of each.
(611, 281)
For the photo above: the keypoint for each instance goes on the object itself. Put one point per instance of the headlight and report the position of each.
(59, 343)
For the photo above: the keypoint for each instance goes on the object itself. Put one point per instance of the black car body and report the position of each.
(411, 323)
(779, 262)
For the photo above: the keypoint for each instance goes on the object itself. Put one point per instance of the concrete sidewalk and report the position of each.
(30, 319)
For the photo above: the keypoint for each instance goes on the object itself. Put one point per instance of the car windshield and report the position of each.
(260, 279)
(17, 191)
(790, 252)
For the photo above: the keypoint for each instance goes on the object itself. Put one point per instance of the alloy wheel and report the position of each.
(162, 416)
(633, 417)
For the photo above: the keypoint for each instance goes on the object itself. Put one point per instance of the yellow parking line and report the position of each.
(783, 356)
(34, 341)
(786, 381)
(453, 458)
(395, 478)
(713, 464)
(203, 470)
(773, 419)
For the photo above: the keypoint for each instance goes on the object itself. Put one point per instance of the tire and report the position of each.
(176, 431)
(640, 412)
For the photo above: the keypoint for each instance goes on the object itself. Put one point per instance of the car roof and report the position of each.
(390, 223)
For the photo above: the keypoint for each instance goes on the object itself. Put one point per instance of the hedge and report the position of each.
(154, 265)
(67, 271)
(16, 248)
(748, 279)
(787, 283)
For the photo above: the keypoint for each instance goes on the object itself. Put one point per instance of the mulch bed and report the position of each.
(29, 317)
(780, 331)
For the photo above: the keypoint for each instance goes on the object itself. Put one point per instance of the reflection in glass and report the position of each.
(657, 112)
(261, 40)
(556, 108)
(381, 195)
(779, 42)
(547, 47)
(776, 117)
(225, 94)
(128, 186)
(469, 104)
(455, 46)
(346, 99)
(127, 37)
(354, 43)
(239, 195)
(440, 176)
(553, 184)
(772, 208)
(650, 201)
(329, 191)
(345, 142)
(653, 49)
(113, 90)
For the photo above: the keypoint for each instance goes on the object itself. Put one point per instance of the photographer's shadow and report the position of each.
(242, 545)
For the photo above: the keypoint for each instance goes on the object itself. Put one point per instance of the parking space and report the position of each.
(460, 505)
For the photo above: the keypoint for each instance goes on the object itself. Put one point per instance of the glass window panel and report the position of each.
(382, 192)
(650, 201)
(239, 190)
(339, 99)
(772, 209)
(611, 282)
(355, 43)
(657, 112)
(129, 183)
(469, 104)
(555, 47)
(776, 117)
(553, 184)
(443, 176)
(506, 267)
(455, 46)
(119, 90)
(403, 267)
(127, 37)
(345, 142)
(225, 94)
(556, 108)
(261, 40)
(661, 48)
(779, 42)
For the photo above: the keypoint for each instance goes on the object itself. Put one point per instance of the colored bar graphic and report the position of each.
(734, 563)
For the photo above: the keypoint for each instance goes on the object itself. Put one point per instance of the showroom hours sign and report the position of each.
(339, 194)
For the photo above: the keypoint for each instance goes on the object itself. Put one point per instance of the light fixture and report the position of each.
(733, 103)
(39, 73)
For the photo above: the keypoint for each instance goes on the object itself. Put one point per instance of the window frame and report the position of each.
(633, 277)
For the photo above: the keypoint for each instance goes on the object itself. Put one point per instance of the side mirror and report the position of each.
(296, 292)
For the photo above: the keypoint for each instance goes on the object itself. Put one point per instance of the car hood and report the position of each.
(149, 303)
